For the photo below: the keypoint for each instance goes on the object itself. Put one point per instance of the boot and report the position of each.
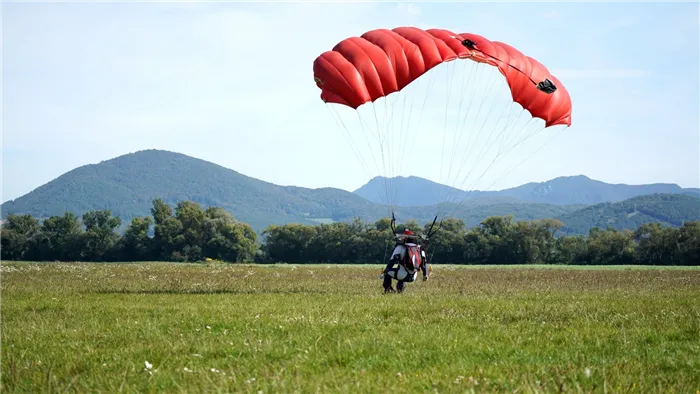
(387, 285)
(401, 286)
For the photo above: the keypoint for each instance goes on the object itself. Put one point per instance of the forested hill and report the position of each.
(413, 191)
(126, 185)
(668, 209)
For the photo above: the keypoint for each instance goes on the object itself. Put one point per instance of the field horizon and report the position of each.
(187, 327)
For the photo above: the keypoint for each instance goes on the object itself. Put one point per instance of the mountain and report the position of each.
(668, 209)
(416, 191)
(127, 185)
(559, 191)
(583, 190)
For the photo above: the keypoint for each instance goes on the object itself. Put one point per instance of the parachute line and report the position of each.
(489, 119)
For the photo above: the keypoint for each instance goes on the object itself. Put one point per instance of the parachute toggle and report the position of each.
(547, 86)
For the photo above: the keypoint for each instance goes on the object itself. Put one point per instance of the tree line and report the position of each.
(189, 233)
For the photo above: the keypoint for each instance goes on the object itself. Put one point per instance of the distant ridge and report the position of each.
(127, 184)
(579, 189)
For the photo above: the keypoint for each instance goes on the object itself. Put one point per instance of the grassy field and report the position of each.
(326, 328)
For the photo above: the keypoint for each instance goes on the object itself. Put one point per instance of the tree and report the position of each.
(569, 250)
(99, 238)
(191, 216)
(167, 233)
(59, 239)
(289, 242)
(689, 244)
(447, 244)
(656, 245)
(226, 239)
(610, 246)
(17, 234)
(137, 244)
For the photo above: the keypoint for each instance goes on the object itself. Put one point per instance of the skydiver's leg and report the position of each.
(389, 274)
(401, 286)
(404, 277)
(387, 284)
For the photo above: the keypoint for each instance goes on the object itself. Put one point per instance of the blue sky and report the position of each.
(232, 83)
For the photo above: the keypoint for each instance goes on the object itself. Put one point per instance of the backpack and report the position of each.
(413, 258)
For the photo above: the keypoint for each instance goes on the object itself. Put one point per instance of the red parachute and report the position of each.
(380, 62)
(361, 70)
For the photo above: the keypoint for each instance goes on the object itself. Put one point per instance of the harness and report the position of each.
(412, 259)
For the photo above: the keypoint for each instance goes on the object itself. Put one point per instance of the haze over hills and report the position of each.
(127, 184)
(408, 191)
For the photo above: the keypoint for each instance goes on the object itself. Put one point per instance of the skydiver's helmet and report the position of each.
(407, 237)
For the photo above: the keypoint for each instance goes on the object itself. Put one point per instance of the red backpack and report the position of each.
(413, 258)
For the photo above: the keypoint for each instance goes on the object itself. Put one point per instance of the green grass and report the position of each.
(327, 328)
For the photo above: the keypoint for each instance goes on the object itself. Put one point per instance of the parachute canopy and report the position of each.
(391, 91)
(380, 62)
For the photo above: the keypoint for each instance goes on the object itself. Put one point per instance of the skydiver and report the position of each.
(408, 257)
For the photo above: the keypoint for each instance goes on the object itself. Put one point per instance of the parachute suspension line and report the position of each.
(374, 159)
(457, 134)
(346, 134)
(473, 88)
(381, 146)
(508, 170)
(526, 136)
(478, 134)
(484, 149)
(393, 189)
(395, 140)
(382, 127)
(481, 153)
(473, 132)
(495, 158)
(511, 168)
(513, 137)
(547, 142)
(399, 136)
(448, 90)
(403, 153)
(390, 133)
(402, 161)
(507, 127)
(443, 154)
(383, 198)
(481, 128)
(506, 132)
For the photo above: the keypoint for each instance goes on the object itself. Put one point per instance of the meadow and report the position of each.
(153, 327)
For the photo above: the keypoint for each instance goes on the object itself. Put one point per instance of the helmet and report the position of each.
(407, 236)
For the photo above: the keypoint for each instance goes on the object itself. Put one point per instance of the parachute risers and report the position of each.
(362, 69)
